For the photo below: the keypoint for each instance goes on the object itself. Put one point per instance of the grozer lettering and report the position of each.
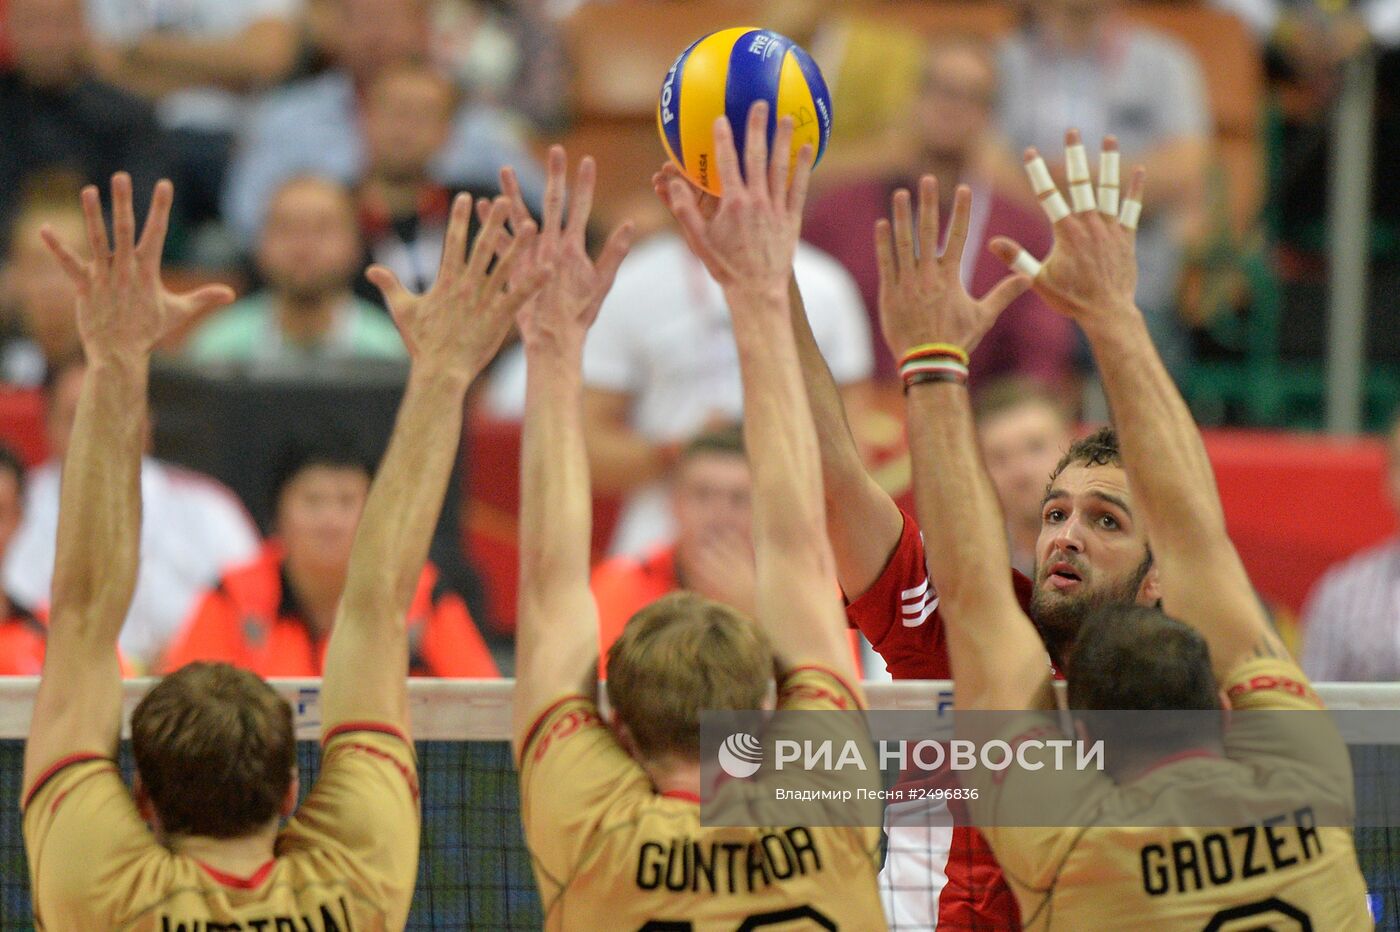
(1219, 858)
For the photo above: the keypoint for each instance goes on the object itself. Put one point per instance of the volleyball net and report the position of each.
(474, 871)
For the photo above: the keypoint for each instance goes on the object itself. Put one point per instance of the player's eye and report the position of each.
(1054, 515)
(1109, 523)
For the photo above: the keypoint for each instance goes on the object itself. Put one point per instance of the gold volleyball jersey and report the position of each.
(345, 861)
(1289, 872)
(609, 852)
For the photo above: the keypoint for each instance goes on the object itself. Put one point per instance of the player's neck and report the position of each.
(238, 857)
(675, 775)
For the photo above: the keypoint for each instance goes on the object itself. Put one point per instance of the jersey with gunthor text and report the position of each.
(346, 861)
(1293, 869)
(609, 852)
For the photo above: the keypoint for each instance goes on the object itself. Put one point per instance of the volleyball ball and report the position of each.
(724, 74)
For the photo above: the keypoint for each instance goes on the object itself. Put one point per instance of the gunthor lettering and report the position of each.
(727, 866)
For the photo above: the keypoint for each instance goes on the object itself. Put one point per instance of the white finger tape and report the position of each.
(1076, 163)
(1108, 182)
(1039, 173)
(1128, 216)
(1055, 207)
(1081, 194)
(1026, 264)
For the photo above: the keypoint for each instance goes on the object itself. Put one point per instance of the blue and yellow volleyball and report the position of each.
(723, 74)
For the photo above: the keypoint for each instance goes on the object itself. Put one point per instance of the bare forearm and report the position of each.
(863, 522)
(99, 527)
(794, 561)
(406, 499)
(989, 638)
(556, 519)
(1162, 449)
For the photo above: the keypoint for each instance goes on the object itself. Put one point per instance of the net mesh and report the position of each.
(474, 871)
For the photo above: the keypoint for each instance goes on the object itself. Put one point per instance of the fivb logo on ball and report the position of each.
(724, 74)
(740, 755)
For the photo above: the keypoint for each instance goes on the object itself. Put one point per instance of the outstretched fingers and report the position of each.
(904, 249)
(1081, 189)
(726, 158)
(96, 226)
(756, 150)
(1108, 177)
(552, 217)
(958, 225)
(1004, 292)
(884, 251)
(487, 238)
(1051, 200)
(383, 278)
(152, 244)
(801, 178)
(519, 245)
(1131, 210)
(72, 266)
(779, 166)
(928, 216)
(610, 259)
(687, 214)
(123, 222)
(581, 205)
(454, 242)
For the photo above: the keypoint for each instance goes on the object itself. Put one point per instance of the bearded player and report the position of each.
(215, 748)
(610, 809)
(1119, 851)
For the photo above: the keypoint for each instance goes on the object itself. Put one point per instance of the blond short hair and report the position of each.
(678, 656)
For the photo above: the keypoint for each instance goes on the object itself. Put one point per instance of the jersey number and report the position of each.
(756, 921)
(1273, 914)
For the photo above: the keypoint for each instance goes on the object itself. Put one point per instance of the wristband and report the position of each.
(930, 365)
(934, 375)
(935, 351)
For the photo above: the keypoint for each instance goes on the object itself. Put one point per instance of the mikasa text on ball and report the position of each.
(723, 74)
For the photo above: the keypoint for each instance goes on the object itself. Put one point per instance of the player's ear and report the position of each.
(1150, 592)
(289, 802)
(624, 736)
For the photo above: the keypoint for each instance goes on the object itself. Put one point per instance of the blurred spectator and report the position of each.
(1351, 621)
(21, 632)
(1023, 431)
(201, 61)
(274, 615)
(660, 367)
(1079, 63)
(403, 210)
(309, 255)
(192, 529)
(39, 328)
(712, 550)
(316, 125)
(507, 52)
(951, 123)
(57, 113)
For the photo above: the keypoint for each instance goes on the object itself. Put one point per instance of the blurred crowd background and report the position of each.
(307, 138)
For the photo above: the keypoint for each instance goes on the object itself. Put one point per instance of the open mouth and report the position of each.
(1062, 575)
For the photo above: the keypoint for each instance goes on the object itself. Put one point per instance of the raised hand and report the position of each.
(922, 298)
(567, 305)
(461, 321)
(751, 239)
(123, 308)
(1091, 272)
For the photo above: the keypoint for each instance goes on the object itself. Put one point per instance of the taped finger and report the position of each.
(1081, 189)
(1027, 264)
(1131, 212)
(1108, 182)
(1051, 200)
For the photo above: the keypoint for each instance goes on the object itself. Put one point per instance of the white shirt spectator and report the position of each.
(210, 109)
(192, 530)
(1351, 622)
(663, 337)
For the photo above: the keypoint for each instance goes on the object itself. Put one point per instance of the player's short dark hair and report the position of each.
(726, 441)
(678, 656)
(1098, 449)
(215, 749)
(1137, 658)
(329, 450)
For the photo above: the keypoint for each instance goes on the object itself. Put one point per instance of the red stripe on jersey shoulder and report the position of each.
(251, 882)
(855, 696)
(407, 774)
(533, 731)
(54, 770)
(686, 795)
